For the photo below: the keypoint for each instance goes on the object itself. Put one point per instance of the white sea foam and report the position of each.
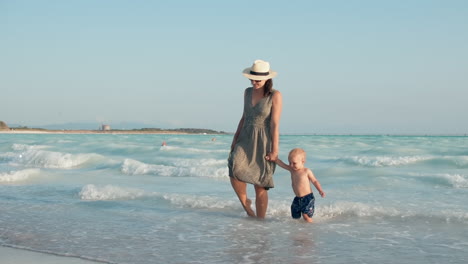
(17, 176)
(92, 192)
(337, 210)
(199, 162)
(385, 161)
(22, 147)
(200, 202)
(455, 180)
(455, 216)
(192, 150)
(62, 141)
(126, 147)
(33, 157)
(395, 161)
(278, 208)
(194, 169)
(362, 210)
(357, 209)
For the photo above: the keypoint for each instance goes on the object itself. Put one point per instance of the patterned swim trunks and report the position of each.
(305, 204)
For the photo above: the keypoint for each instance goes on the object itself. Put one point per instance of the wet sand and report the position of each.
(9, 255)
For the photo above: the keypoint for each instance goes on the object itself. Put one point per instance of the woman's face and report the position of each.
(256, 84)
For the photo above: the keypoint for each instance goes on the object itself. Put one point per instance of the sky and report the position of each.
(349, 66)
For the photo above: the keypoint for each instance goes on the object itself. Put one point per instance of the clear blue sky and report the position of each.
(397, 66)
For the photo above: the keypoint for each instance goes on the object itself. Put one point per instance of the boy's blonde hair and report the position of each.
(296, 152)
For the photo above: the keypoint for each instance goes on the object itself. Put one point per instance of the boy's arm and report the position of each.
(315, 182)
(282, 164)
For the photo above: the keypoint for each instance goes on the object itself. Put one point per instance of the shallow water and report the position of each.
(127, 199)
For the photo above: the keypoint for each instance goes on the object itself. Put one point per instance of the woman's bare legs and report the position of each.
(261, 201)
(241, 190)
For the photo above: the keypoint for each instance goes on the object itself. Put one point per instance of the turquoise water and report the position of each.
(127, 199)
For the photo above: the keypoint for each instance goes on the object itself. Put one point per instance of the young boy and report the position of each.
(304, 202)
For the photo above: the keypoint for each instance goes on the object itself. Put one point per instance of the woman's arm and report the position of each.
(274, 125)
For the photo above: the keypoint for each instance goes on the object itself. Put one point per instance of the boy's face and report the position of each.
(296, 162)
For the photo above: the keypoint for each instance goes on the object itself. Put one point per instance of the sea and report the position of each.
(125, 198)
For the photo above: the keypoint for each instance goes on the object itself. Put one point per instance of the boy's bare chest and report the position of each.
(299, 177)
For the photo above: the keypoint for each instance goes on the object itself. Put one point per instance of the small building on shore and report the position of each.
(105, 127)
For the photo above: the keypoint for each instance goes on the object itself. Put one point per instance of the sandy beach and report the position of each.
(10, 255)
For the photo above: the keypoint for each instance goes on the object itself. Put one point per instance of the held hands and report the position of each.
(272, 156)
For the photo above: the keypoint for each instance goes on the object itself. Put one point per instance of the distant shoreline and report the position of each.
(136, 131)
(196, 132)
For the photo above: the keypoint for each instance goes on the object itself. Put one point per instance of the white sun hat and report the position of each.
(260, 70)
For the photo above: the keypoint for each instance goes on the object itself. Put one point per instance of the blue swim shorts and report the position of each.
(305, 204)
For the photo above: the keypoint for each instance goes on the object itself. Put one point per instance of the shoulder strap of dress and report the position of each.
(272, 92)
(247, 90)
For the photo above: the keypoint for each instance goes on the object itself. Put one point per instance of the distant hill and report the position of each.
(118, 127)
(186, 130)
(3, 126)
(90, 126)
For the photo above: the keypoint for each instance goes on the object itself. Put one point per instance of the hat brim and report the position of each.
(246, 73)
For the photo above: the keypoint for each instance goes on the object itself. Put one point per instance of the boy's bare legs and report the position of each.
(307, 218)
(241, 190)
(261, 201)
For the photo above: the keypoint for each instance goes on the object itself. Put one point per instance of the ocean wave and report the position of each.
(92, 192)
(32, 156)
(17, 176)
(453, 180)
(192, 150)
(197, 168)
(123, 148)
(343, 210)
(200, 162)
(384, 161)
(357, 210)
(362, 210)
(396, 161)
(56, 254)
(456, 180)
(334, 211)
(199, 202)
(23, 147)
(8, 156)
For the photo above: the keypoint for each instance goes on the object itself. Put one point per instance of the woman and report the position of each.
(256, 139)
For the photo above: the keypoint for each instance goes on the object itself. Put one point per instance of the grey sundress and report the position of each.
(247, 161)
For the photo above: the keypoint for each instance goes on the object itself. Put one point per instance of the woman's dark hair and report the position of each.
(268, 87)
